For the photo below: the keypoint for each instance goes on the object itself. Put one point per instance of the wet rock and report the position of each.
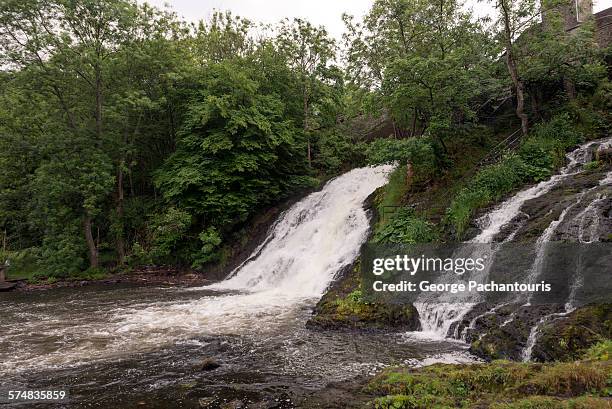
(355, 315)
(342, 308)
(567, 338)
(604, 155)
(7, 286)
(504, 334)
(235, 404)
(571, 193)
(209, 364)
(207, 403)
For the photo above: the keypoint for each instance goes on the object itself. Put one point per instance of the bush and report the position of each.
(601, 351)
(168, 230)
(23, 263)
(406, 227)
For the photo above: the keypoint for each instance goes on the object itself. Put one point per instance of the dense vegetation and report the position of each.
(129, 137)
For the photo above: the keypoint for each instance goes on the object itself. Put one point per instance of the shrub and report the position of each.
(406, 227)
(167, 231)
(601, 351)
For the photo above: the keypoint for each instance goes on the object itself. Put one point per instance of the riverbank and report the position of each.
(151, 275)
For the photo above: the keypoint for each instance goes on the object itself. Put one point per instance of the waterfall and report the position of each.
(312, 240)
(438, 316)
(263, 298)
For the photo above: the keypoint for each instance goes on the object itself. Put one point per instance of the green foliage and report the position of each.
(391, 195)
(419, 152)
(538, 156)
(601, 351)
(168, 229)
(23, 263)
(210, 239)
(335, 151)
(488, 185)
(406, 227)
(592, 165)
(499, 384)
(103, 105)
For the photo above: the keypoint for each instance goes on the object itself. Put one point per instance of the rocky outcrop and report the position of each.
(343, 307)
(568, 337)
(503, 334)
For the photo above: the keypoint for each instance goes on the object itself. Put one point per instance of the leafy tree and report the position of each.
(309, 51)
(235, 153)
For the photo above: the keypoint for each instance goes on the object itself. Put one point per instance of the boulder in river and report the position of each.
(209, 364)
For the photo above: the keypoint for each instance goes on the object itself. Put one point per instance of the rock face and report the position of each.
(581, 207)
(342, 307)
(503, 334)
(562, 337)
(568, 337)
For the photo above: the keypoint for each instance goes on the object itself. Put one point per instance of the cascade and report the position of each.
(438, 316)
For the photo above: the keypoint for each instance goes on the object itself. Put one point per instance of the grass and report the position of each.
(499, 385)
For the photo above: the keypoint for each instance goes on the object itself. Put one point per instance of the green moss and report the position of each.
(570, 338)
(592, 165)
(335, 311)
(500, 384)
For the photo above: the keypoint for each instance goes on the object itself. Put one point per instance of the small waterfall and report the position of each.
(438, 316)
(312, 240)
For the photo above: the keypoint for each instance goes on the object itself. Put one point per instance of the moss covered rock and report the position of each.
(352, 312)
(569, 337)
(344, 307)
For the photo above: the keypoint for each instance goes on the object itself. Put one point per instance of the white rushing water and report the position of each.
(305, 249)
(437, 316)
(313, 240)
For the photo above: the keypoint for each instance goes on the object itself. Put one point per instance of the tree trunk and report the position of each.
(91, 245)
(570, 88)
(305, 96)
(512, 69)
(120, 243)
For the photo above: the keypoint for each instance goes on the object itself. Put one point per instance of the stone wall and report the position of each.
(603, 24)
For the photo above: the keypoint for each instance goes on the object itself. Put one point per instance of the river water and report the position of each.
(86, 341)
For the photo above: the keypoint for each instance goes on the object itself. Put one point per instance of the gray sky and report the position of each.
(319, 12)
